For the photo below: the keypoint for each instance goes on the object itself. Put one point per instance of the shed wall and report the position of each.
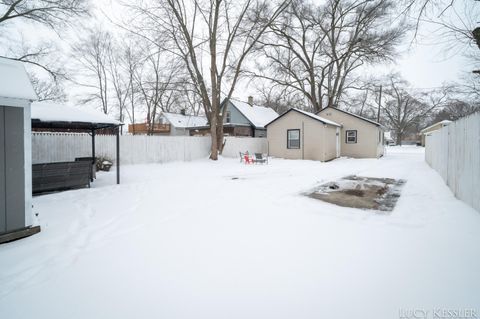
(369, 141)
(14, 195)
(3, 215)
(317, 140)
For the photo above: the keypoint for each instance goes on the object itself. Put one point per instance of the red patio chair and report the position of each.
(247, 159)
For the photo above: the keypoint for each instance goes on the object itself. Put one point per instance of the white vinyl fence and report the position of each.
(234, 145)
(135, 149)
(454, 152)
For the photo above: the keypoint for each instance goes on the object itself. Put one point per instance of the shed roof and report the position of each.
(14, 81)
(258, 115)
(311, 115)
(53, 115)
(352, 114)
(443, 123)
(184, 121)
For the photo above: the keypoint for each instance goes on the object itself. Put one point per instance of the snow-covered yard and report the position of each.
(225, 240)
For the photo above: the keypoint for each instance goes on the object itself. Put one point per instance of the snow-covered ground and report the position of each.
(185, 240)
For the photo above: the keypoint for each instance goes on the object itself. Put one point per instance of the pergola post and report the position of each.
(118, 155)
(93, 153)
(93, 145)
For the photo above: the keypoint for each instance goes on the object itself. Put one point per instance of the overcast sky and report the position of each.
(423, 64)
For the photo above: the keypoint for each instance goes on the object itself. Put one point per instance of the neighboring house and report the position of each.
(426, 131)
(241, 119)
(172, 124)
(16, 96)
(360, 137)
(298, 134)
(181, 123)
(387, 136)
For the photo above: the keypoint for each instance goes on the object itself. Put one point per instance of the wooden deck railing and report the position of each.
(145, 128)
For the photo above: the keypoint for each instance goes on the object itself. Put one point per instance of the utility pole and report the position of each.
(379, 104)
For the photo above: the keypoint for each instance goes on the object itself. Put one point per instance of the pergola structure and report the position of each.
(60, 118)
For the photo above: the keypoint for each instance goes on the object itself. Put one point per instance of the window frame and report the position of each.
(299, 139)
(346, 136)
(228, 117)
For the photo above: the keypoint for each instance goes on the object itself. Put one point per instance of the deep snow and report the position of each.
(185, 240)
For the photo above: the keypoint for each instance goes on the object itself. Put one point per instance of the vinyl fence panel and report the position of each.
(234, 145)
(135, 149)
(454, 152)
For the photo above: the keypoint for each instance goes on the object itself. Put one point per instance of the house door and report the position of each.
(338, 141)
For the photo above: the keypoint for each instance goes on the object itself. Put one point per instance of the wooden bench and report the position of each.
(50, 177)
(93, 173)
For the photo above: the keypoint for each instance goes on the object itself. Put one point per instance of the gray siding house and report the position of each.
(246, 118)
(241, 119)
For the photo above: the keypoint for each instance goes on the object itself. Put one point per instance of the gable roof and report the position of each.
(14, 81)
(311, 115)
(259, 116)
(183, 121)
(352, 114)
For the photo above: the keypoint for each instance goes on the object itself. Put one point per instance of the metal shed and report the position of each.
(16, 96)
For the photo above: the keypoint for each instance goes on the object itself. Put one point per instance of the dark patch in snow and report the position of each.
(379, 194)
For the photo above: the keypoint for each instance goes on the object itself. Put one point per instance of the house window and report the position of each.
(351, 137)
(228, 118)
(293, 138)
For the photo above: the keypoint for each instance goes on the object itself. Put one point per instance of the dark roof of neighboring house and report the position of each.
(352, 114)
(311, 115)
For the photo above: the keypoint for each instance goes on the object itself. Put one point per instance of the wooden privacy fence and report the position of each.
(454, 152)
(135, 149)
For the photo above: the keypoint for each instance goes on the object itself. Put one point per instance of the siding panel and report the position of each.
(14, 168)
(3, 223)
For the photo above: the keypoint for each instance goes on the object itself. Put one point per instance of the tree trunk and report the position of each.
(213, 133)
(399, 139)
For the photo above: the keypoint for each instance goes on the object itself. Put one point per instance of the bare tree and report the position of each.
(156, 79)
(316, 49)
(93, 54)
(280, 98)
(48, 90)
(123, 63)
(403, 111)
(49, 13)
(212, 39)
(454, 110)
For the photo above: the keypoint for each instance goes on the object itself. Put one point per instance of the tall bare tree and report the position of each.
(93, 55)
(404, 111)
(316, 49)
(212, 39)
